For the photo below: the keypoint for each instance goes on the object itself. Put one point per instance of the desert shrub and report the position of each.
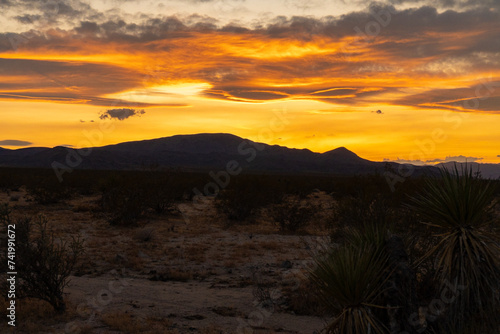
(127, 197)
(160, 199)
(236, 205)
(302, 298)
(47, 191)
(10, 179)
(243, 200)
(351, 282)
(43, 264)
(367, 282)
(355, 213)
(124, 205)
(161, 192)
(458, 206)
(292, 214)
(239, 204)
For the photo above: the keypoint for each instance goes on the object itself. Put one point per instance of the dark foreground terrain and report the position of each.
(162, 254)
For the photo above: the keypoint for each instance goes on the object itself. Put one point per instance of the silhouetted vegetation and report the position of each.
(43, 264)
(421, 259)
(292, 214)
(376, 276)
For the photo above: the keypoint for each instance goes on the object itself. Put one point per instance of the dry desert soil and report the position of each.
(179, 273)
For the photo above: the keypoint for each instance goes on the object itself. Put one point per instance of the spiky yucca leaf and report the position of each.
(457, 199)
(467, 254)
(350, 280)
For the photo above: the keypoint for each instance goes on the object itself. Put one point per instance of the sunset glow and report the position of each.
(379, 80)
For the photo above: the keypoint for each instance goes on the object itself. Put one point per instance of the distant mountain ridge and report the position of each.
(205, 151)
(490, 171)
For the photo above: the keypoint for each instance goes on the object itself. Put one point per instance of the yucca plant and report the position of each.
(350, 281)
(458, 206)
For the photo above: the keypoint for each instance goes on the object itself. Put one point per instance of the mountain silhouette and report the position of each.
(205, 151)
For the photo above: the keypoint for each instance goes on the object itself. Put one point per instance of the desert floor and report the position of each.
(181, 273)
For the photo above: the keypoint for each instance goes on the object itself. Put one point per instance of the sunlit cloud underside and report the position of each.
(380, 81)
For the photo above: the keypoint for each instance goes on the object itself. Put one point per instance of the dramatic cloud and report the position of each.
(69, 82)
(13, 142)
(483, 96)
(121, 114)
(414, 59)
(355, 59)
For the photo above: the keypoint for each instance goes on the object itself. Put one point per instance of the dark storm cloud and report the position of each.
(121, 114)
(14, 142)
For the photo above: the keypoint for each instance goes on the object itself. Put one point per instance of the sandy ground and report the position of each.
(186, 273)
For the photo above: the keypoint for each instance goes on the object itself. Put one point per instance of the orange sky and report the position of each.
(424, 85)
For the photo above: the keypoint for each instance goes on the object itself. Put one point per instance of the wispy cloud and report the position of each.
(322, 59)
(413, 59)
(14, 142)
(459, 158)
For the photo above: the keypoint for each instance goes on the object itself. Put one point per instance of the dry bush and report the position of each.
(302, 298)
(292, 214)
(47, 190)
(42, 262)
(125, 206)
